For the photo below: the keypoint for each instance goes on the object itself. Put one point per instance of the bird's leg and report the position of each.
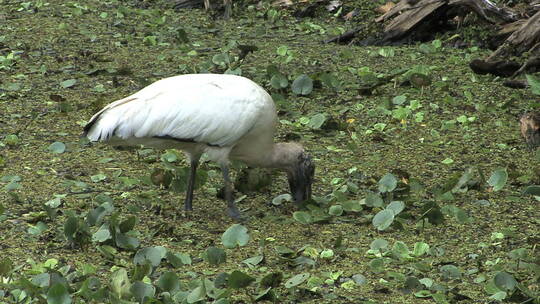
(228, 8)
(194, 162)
(231, 206)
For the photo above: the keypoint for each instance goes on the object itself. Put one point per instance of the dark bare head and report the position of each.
(299, 167)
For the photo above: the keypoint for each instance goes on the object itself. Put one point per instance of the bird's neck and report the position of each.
(281, 156)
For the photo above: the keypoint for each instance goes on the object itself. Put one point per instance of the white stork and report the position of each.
(225, 116)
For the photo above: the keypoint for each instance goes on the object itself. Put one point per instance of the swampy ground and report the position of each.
(418, 193)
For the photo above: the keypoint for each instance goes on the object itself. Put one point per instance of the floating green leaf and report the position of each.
(303, 217)
(505, 281)
(68, 83)
(169, 282)
(215, 256)
(57, 147)
(238, 279)
(58, 294)
(383, 219)
(152, 255)
(302, 85)
(297, 280)
(335, 210)
(498, 179)
(142, 291)
(316, 121)
(387, 183)
(236, 235)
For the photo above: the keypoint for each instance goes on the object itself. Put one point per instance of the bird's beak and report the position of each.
(300, 180)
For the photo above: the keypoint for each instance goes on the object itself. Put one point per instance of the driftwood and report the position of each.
(418, 20)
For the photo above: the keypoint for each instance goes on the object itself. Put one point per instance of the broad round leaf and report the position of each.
(296, 280)
(505, 281)
(57, 147)
(396, 207)
(58, 294)
(235, 235)
(303, 217)
(336, 210)
(279, 81)
(169, 281)
(302, 85)
(316, 121)
(498, 179)
(153, 255)
(379, 244)
(68, 83)
(387, 183)
(215, 256)
(280, 199)
(450, 272)
(142, 291)
(238, 279)
(383, 219)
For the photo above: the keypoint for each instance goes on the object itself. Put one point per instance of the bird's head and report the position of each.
(300, 173)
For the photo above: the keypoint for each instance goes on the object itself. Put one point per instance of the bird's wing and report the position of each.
(213, 111)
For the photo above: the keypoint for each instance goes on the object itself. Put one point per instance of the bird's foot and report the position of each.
(235, 214)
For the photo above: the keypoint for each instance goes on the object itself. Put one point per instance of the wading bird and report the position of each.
(225, 116)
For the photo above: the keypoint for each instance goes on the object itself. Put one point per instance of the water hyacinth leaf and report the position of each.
(169, 282)
(152, 255)
(303, 217)
(102, 234)
(450, 272)
(58, 294)
(302, 85)
(379, 244)
(420, 248)
(327, 254)
(271, 280)
(267, 295)
(236, 235)
(197, 294)
(359, 279)
(279, 81)
(280, 199)
(238, 279)
(6, 266)
(68, 83)
(125, 241)
(142, 291)
(120, 283)
(335, 210)
(96, 215)
(532, 190)
(374, 200)
(39, 228)
(387, 183)
(178, 259)
(352, 206)
(383, 219)
(505, 281)
(316, 121)
(215, 256)
(253, 261)
(396, 207)
(296, 280)
(57, 147)
(376, 265)
(498, 179)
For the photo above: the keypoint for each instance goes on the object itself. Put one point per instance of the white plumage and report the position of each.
(225, 116)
